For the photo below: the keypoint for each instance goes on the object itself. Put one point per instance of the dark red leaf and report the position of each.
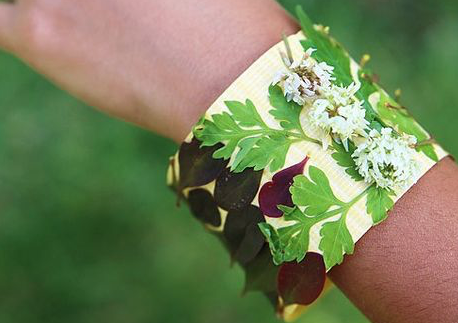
(261, 273)
(243, 237)
(302, 283)
(197, 165)
(235, 191)
(276, 192)
(204, 207)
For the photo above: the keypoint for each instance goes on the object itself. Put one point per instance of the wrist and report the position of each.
(230, 45)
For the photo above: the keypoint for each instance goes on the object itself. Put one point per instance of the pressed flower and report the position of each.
(386, 159)
(304, 78)
(339, 113)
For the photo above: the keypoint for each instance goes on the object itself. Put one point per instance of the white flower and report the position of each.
(387, 160)
(340, 114)
(304, 79)
(293, 86)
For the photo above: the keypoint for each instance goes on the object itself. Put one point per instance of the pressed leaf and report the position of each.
(243, 128)
(235, 191)
(261, 273)
(378, 203)
(344, 159)
(269, 152)
(286, 112)
(204, 207)
(398, 118)
(276, 192)
(335, 242)
(328, 50)
(245, 114)
(197, 166)
(429, 151)
(302, 283)
(331, 52)
(291, 242)
(314, 193)
(242, 234)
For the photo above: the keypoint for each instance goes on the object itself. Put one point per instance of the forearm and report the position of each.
(173, 63)
(405, 269)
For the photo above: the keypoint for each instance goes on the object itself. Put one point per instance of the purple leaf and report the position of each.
(197, 165)
(204, 207)
(276, 192)
(243, 237)
(302, 283)
(235, 191)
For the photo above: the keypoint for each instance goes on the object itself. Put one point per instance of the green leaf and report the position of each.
(247, 138)
(344, 159)
(291, 242)
(328, 50)
(378, 203)
(331, 52)
(287, 113)
(269, 151)
(429, 151)
(335, 242)
(245, 114)
(398, 118)
(367, 88)
(314, 193)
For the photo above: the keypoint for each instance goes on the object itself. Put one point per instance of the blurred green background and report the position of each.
(88, 230)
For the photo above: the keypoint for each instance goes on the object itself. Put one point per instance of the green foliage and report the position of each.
(335, 241)
(315, 194)
(261, 273)
(344, 159)
(258, 145)
(399, 118)
(328, 50)
(331, 52)
(291, 242)
(287, 113)
(379, 203)
(50, 236)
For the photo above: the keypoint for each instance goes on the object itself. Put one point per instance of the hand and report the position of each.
(154, 63)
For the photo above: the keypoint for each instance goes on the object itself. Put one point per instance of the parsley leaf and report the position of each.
(314, 193)
(344, 159)
(335, 242)
(378, 203)
(243, 133)
(289, 243)
(287, 113)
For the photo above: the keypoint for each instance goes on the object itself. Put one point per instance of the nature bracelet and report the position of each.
(296, 161)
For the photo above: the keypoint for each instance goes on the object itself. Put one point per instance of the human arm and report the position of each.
(164, 71)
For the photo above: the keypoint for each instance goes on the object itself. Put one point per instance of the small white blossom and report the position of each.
(340, 114)
(304, 79)
(387, 160)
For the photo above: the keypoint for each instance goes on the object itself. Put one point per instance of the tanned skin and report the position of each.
(160, 65)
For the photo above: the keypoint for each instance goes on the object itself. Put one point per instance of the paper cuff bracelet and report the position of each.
(296, 161)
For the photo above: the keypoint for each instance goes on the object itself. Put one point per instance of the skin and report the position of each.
(160, 66)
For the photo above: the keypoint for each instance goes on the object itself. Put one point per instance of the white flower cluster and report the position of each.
(304, 78)
(382, 157)
(332, 108)
(387, 160)
(339, 113)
